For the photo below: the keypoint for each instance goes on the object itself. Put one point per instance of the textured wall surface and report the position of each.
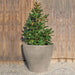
(14, 13)
(61, 19)
(12, 18)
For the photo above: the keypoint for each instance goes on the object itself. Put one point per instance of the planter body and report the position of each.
(38, 57)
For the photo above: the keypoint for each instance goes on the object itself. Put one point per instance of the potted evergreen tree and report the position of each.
(37, 46)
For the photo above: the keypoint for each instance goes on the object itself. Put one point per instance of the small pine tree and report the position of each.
(35, 31)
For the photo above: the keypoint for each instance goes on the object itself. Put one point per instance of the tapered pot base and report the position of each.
(38, 56)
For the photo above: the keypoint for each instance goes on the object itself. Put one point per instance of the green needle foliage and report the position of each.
(35, 31)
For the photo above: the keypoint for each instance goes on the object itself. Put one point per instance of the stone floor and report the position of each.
(60, 68)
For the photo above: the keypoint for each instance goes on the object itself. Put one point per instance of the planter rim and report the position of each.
(38, 45)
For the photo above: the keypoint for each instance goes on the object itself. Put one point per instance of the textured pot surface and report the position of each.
(38, 56)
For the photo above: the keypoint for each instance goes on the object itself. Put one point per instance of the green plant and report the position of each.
(35, 31)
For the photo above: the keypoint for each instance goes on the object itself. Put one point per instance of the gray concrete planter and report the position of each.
(38, 57)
